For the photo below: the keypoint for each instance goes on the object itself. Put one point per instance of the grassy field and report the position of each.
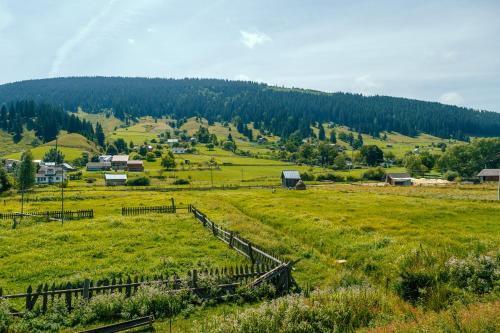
(371, 228)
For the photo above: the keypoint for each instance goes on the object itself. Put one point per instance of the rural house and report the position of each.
(115, 180)
(50, 175)
(179, 150)
(135, 166)
(172, 142)
(489, 175)
(105, 158)
(289, 178)
(98, 166)
(119, 162)
(398, 179)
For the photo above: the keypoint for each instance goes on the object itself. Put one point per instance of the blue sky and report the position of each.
(446, 51)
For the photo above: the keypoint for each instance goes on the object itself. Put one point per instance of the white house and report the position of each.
(50, 175)
(114, 180)
(172, 142)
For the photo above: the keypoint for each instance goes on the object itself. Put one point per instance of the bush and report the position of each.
(5, 317)
(341, 310)
(181, 181)
(451, 175)
(374, 174)
(307, 176)
(330, 176)
(480, 274)
(102, 307)
(140, 181)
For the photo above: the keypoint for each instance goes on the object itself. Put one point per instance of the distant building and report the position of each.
(135, 166)
(68, 167)
(11, 164)
(105, 158)
(119, 162)
(289, 178)
(115, 180)
(172, 142)
(489, 175)
(300, 185)
(50, 175)
(98, 166)
(179, 150)
(398, 179)
(150, 148)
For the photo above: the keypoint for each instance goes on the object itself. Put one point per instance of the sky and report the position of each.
(446, 51)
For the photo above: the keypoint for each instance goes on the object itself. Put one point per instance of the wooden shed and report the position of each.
(489, 175)
(398, 179)
(289, 178)
(114, 180)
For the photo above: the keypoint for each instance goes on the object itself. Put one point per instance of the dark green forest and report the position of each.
(278, 110)
(47, 120)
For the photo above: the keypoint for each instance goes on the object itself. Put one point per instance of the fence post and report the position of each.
(173, 204)
(45, 298)
(230, 239)
(28, 297)
(86, 287)
(194, 278)
(250, 253)
(68, 296)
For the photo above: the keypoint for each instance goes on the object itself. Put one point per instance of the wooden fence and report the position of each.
(127, 211)
(236, 242)
(48, 215)
(226, 279)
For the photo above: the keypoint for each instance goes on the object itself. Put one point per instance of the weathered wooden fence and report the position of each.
(56, 214)
(127, 211)
(226, 279)
(236, 242)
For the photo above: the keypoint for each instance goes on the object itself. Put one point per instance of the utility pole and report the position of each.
(62, 197)
(242, 175)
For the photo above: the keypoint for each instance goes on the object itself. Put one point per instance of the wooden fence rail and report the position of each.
(236, 242)
(226, 278)
(48, 215)
(128, 211)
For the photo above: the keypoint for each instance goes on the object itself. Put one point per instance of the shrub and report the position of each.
(56, 318)
(150, 157)
(331, 177)
(139, 181)
(341, 310)
(479, 274)
(451, 175)
(5, 317)
(307, 176)
(102, 307)
(181, 181)
(374, 174)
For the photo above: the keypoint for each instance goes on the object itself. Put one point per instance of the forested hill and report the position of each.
(282, 111)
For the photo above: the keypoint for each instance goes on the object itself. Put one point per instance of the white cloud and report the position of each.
(5, 17)
(131, 41)
(150, 30)
(452, 98)
(251, 39)
(69, 45)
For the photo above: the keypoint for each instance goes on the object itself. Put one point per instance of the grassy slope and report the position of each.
(108, 123)
(8, 146)
(72, 145)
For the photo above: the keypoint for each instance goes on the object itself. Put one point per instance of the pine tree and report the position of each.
(333, 136)
(99, 134)
(321, 134)
(26, 172)
(54, 155)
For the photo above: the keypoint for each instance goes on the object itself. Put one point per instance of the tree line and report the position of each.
(279, 111)
(45, 119)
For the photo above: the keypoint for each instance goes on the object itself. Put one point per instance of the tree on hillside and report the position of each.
(372, 155)
(414, 166)
(54, 155)
(26, 172)
(99, 134)
(321, 134)
(121, 145)
(168, 161)
(333, 136)
(111, 149)
(5, 184)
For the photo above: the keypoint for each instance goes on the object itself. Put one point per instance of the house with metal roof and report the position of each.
(98, 166)
(398, 178)
(50, 175)
(119, 162)
(489, 175)
(135, 166)
(115, 180)
(289, 178)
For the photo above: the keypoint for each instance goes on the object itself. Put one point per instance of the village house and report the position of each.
(119, 162)
(172, 142)
(179, 150)
(398, 179)
(105, 158)
(489, 175)
(289, 178)
(135, 166)
(98, 166)
(50, 175)
(115, 180)
(11, 164)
